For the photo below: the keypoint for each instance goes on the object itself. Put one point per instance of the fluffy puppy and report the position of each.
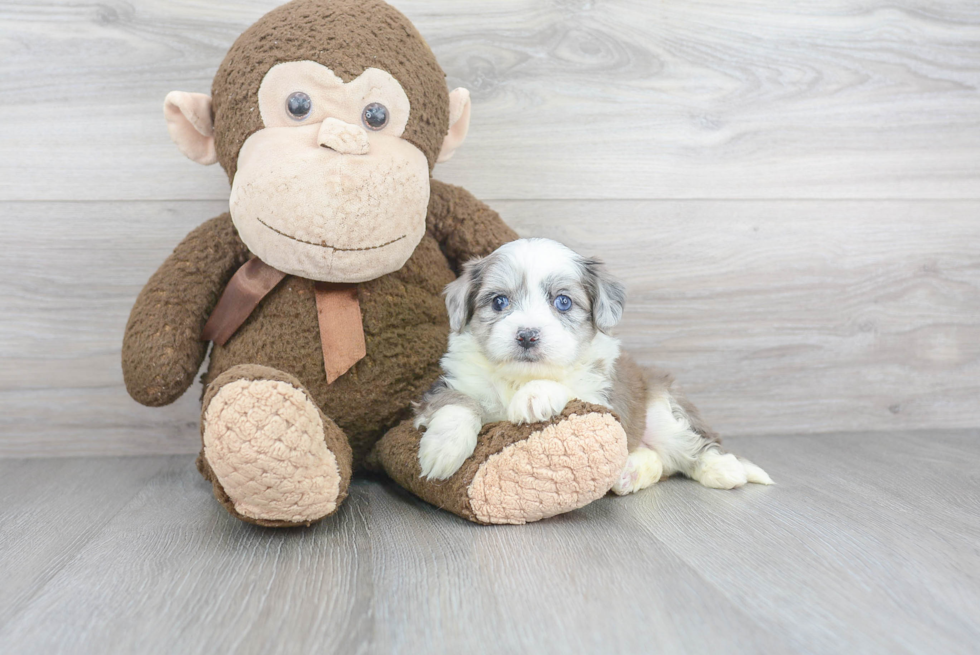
(530, 329)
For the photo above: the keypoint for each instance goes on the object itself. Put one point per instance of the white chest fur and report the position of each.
(493, 386)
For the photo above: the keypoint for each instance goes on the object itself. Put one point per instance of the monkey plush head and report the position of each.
(328, 116)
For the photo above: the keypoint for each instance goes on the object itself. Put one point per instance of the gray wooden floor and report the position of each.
(868, 543)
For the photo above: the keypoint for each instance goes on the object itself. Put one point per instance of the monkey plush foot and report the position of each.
(272, 456)
(518, 473)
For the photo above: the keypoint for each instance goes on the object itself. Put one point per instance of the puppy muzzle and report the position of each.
(528, 338)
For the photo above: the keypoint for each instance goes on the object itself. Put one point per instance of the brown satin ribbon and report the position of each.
(341, 329)
(337, 308)
(246, 289)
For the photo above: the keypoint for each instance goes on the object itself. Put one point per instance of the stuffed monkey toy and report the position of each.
(320, 289)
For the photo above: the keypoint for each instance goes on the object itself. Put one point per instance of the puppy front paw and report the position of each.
(449, 439)
(538, 400)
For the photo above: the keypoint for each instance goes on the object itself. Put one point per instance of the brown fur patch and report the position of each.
(347, 36)
(660, 383)
(629, 398)
(405, 331)
(405, 322)
(162, 350)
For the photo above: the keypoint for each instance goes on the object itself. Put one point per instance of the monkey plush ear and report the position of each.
(459, 124)
(189, 123)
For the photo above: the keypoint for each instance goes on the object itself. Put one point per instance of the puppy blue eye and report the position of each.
(563, 303)
(500, 303)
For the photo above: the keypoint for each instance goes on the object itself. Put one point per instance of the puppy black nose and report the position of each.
(527, 338)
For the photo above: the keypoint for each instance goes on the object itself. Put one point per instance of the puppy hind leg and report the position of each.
(669, 445)
(754, 474)
(719, 470)
(669, 433)
(643, 469)
(687, 446)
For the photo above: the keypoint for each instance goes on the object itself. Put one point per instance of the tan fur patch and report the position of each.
(560, 468)
(264, 441)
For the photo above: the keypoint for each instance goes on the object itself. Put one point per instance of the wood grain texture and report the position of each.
(776, 316)
(517, 588)
(52, 509)
(796, 316)
(572, 98)
(199, 579)
(850, 551)
(861, 569)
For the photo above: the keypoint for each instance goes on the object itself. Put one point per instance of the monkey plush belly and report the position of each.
(405, 329)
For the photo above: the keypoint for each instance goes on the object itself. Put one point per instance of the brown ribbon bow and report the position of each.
(337, 309)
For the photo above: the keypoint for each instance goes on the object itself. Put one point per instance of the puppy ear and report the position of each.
(461, 294)
(608, 295)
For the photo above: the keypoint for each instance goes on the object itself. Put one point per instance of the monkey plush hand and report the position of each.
(320, 288)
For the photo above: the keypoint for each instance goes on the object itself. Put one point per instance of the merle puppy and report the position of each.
(530, 329)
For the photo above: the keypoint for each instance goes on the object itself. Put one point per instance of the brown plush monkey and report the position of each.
(321, 287)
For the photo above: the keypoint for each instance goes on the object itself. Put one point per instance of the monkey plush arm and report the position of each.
(464, 226)
(162, 348)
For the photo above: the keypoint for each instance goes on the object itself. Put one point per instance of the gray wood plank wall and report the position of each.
(790, 190)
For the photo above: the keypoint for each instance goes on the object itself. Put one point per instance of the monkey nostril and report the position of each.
(528, 338)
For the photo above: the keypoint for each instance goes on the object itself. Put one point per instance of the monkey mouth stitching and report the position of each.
(325, 245)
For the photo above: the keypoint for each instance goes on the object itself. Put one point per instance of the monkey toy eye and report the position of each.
(375, 116)
(500, 303)
(563, 303)
(299, 105)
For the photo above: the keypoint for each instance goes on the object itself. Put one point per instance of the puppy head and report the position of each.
(534, 301)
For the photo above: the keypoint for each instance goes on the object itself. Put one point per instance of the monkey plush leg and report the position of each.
(272, 456)
(518, 473)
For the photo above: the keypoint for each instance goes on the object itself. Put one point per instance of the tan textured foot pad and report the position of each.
(560, 468)
(264, 442)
